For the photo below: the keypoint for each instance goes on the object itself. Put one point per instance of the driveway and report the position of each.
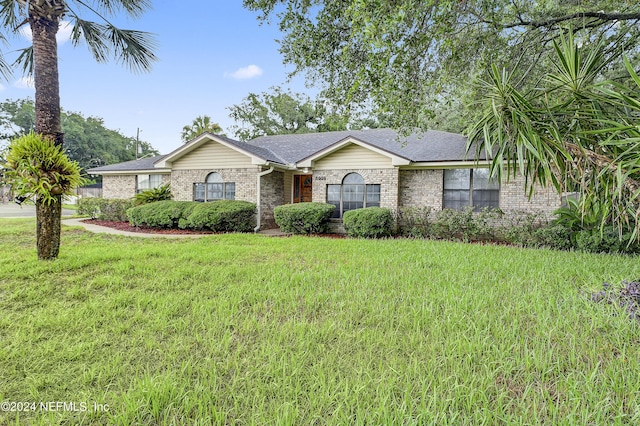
(8, 210)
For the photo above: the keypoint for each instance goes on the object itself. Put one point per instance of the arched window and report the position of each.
(214, 178)
(352, 194)
(214, 188)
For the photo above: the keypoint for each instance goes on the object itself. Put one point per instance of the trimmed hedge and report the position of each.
(104, 209)
(222, 216)
(217, 216)
(160, 214)
(304, 218)
(370, 222)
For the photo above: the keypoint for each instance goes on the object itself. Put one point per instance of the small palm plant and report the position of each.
(36, 166)
(160, 193)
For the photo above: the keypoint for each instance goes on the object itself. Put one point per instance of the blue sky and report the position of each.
(212, 53)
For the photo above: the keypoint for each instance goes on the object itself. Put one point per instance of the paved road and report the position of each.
(8, 210)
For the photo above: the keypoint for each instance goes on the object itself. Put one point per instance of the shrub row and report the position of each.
(217, 216)
(519, 228)
(114, 210)
(304, 218)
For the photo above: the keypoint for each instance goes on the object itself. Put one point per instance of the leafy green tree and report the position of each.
(283, 112)
(575, 131)
(91, 144)
(87, 140)
(133, 48)
(200, 125)
(416, 60)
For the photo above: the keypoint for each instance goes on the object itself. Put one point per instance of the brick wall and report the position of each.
(386, 178)
(123, 186)
(245, 179)
(118, 186)
(424, 188)
(271, 195)
(514, 198)
(419, 188)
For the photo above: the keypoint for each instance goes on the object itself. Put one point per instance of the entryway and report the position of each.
(302, 188)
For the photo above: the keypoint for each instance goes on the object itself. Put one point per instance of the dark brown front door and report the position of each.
(302, 188)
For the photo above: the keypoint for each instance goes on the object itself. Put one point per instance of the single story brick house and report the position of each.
(350, 169)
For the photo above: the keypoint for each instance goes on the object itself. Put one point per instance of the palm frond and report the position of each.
(9, 18)
(133, 8)
(135, 49)
(24, 61)
(93, 34)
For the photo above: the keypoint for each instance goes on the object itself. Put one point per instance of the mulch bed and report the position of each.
(125, 226)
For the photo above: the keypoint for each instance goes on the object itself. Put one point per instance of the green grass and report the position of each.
(244, 329)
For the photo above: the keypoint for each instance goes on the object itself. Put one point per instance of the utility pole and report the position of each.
(137, 141)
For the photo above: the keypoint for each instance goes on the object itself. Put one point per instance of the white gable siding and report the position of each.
(212, 155)
(353, 157)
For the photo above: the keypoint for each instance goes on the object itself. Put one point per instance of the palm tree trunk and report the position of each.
(47, 84)
(48, 228)
(46, 80)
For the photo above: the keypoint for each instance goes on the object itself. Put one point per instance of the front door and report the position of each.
(302, 188)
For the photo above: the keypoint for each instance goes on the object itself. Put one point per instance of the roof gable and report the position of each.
(258, 155)
(396, 160)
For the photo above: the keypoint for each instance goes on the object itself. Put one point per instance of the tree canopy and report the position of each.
(417, 59)
(87, 140)
(200, 125)
(283, 112)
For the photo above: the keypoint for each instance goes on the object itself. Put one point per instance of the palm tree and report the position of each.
(133, 48)
(576, 132)
(198, 126)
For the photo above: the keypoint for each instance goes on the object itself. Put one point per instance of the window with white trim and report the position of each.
(470, 188)
(352, 194)
(146, 182)
(214, 188)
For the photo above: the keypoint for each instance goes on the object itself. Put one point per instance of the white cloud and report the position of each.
(63, 35)
(251, 71)
(24, 83)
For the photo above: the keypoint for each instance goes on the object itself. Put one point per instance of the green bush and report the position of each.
(521, 227)
(161, 193)
(586, 232)
(466, 225)
(304, 218)
(222, 216)
(370, 222)
(114, 210)
(607, 241)
(552, 236)
(415, 221)
(160, 214)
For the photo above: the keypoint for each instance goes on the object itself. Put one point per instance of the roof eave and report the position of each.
(128, 172)
(449, 164)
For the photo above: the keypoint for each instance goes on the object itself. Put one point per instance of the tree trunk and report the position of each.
(48, 228)
(46, 80)
(44, 27)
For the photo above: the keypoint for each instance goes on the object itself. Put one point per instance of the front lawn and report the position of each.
(245, 329)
